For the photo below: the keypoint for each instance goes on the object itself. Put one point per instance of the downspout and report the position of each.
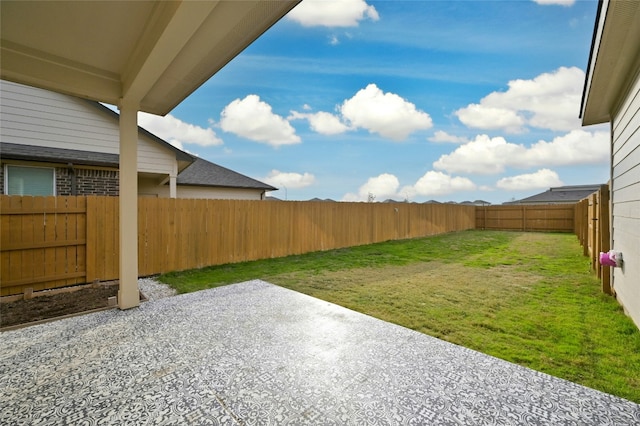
(173, 177)
(611, 205)
(74, 179)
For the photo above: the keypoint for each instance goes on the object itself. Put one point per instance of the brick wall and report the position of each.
(88, 182)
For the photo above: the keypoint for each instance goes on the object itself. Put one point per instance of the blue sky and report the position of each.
(409, 100)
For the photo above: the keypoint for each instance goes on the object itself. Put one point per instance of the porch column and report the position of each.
(128, 295)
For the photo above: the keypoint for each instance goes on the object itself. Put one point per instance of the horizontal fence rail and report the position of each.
(51, 242)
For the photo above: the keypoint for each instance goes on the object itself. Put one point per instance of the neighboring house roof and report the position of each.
(475, 203)
(561, 194)
(329, 200)
(204, 173)
(47, 154)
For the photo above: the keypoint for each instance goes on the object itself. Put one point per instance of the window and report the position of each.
(22, 180)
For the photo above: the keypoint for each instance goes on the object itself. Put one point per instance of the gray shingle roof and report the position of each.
(561, 194)
(204, 173)
(47, 154)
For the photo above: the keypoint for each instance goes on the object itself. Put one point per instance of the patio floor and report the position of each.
(255, 353)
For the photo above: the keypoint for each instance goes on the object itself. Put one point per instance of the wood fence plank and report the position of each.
(103, 256)
(91, 233)
(26, 235)
(113, 209)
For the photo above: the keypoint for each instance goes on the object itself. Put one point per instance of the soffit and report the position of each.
(151, 53)
(615, 60)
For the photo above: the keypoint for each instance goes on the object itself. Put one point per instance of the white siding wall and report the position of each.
(151, 187)
(218, 193)
(32, 116)
(154, 158)
(625, 198)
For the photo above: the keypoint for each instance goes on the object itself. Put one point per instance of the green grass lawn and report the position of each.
(528, 298)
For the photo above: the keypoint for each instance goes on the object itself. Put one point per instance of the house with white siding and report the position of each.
(55, 144)
(612, 95)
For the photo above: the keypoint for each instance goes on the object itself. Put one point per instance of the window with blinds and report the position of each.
(25, 180)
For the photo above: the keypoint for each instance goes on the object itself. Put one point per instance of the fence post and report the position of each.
(593, 234)
(605, 236)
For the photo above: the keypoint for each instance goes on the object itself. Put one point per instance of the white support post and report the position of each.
(173, 177)
(128, 295)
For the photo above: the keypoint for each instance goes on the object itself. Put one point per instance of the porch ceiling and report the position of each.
(152, 53)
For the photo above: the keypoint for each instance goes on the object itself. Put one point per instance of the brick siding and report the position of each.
(88, 182)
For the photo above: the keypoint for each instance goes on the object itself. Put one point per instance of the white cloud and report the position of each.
(321, 122)
(444, 137)
(382, 187)
(485, 155)
(289, 180)
(176, 131)
(543, 178)
(549, 101)
(484, 117)
(555, 2)
(384, 113)
(332, 13)
(253, 119)
(437, 183)
(576, 147)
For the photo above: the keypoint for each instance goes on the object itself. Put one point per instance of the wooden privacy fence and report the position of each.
(592, 227)
(543, 217)
(51, 242)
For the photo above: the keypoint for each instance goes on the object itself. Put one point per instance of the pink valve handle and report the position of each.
(605, 260)
(611, 258)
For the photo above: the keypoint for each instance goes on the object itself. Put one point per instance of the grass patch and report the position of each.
(528, 298)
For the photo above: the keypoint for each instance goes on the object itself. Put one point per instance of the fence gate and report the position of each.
(43, 243)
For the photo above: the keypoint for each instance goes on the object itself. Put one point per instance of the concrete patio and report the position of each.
(255, 353)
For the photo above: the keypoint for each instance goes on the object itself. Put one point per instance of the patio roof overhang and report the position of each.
(613, 61)
(140, 55)
(153, 52)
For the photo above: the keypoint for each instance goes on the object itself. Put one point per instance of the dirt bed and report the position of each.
(55, 305)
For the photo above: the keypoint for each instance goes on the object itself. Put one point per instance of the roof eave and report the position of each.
(204, 185)
(613, 61)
